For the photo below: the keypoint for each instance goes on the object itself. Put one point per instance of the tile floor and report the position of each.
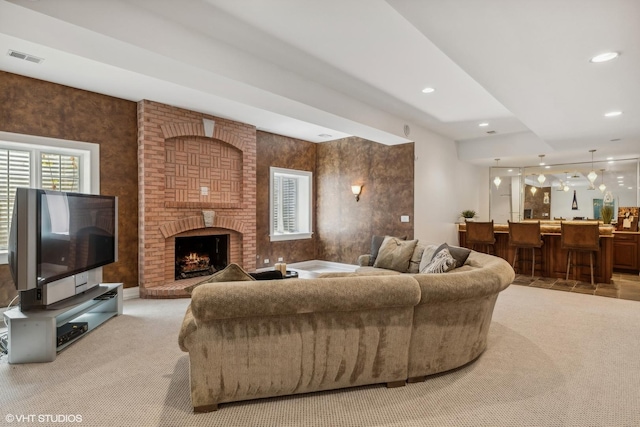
(623, 286)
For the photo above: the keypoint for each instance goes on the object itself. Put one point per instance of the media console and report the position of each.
(34, 334)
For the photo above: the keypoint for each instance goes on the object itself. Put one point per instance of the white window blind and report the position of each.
(59, 172)
(15, 171)
(290, 204)
(285, 192)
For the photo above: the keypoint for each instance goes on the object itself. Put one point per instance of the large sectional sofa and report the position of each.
(255, 339)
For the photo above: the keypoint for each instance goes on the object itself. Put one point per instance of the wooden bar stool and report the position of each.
(480, 233)
(525, 235)
(580, 238)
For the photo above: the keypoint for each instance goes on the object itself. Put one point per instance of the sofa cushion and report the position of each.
(395, 254)
(427, 256)
(441, 263)
(376, 242)
(414, 263)
(458, 253)
(231, 273)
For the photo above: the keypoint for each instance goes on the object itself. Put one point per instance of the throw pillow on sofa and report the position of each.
(395, 254)
(427, 256)
(376, 242)
(458, 253)
(442, 262)
(414, 263)
(231, 273)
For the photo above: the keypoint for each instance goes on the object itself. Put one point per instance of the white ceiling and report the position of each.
(357, 67)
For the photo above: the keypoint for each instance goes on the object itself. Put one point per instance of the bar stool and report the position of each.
(480, 233)
(580, 238)
(525, 235)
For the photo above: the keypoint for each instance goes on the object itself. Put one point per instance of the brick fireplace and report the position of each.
(197, 177)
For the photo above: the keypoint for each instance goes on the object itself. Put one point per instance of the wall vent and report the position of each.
(491, 132)
(25, 56)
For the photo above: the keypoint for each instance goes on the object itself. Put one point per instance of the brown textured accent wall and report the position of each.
(283, 152)
(36, 107)
(344, 226)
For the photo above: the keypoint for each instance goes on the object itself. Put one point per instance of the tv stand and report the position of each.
(32, 334)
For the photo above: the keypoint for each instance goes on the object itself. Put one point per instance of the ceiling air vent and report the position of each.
(25, 56)
(491, 132)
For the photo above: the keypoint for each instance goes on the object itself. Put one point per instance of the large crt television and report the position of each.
(58, 243)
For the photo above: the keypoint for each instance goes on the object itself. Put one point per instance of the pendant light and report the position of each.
(592, 175)
(497, 179)
(541, 177)
(602, 187)
(566, 183)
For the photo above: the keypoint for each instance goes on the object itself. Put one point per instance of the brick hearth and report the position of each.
(178, 154)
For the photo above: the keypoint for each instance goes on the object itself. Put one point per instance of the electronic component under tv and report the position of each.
(57, 243)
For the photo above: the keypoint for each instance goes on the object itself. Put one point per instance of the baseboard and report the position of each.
(131, 293)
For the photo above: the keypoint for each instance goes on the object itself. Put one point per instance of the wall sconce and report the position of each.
(356, 190)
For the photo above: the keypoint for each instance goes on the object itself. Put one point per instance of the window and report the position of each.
(290, 202)
(28, 161)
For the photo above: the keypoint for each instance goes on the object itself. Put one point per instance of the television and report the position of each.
(58, 242)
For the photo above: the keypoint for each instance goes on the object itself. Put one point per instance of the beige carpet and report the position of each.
(554, 359)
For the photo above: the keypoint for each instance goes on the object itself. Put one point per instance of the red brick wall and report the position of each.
(175, 159)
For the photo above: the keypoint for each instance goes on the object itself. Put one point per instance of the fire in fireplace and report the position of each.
(201, 255)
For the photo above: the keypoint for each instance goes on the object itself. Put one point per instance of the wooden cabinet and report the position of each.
(626, 255)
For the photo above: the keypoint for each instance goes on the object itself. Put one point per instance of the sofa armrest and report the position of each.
(188, 326)
(363, 260)
(228, 300)
(492, 275)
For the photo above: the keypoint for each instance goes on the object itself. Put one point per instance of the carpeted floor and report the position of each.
(554, 359)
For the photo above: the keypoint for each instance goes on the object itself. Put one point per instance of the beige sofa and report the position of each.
(249, 340)
(256, 339)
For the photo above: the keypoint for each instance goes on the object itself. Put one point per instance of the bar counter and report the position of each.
(554, 258)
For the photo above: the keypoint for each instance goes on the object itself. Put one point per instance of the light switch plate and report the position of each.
(404, 218)
(204, 191)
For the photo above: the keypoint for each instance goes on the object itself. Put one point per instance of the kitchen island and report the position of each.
(554, 258)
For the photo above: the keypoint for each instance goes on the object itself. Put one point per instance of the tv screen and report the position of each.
(76, 232)
(57, 235)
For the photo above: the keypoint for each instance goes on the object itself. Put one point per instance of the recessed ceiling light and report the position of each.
(621, 185)
(611, 161)
(609, 158)
(630, 188)
(604, 57)
(509, 170)
(613, 113)
(428, 90)
(547, 167)
(483, 124)
(621, 177)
